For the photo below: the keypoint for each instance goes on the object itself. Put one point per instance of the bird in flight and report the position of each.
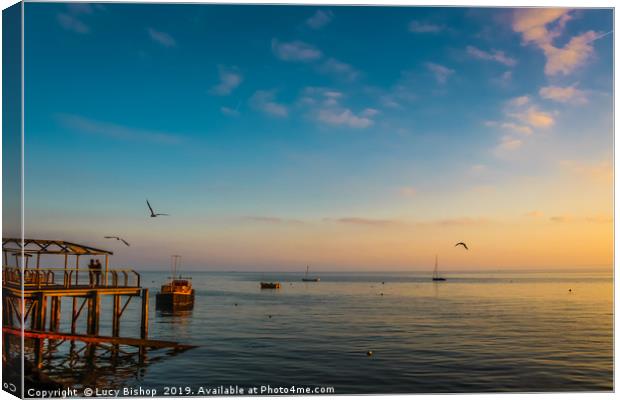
(462, 244)
(153, 213)
(117, 238)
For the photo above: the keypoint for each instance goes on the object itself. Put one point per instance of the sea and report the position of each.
(376, 333)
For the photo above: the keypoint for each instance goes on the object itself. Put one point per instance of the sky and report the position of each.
(346, 138)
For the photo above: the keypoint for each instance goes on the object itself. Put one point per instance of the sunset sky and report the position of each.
(347, 138)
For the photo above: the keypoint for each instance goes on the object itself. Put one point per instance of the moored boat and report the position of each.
(307, 278)
(270, 285)
(436, 276)
(177, 293)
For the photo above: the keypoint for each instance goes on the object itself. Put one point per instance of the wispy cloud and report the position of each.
(326, 106)
(597, 171)
(162, 38)
(272, 220)
(522, 110)
(594, 219)
(347, 117)
(541, 26)
(230, 78)
(230, 111)
(408, 191)
(494, 55)
(106, 129)
(363, 221)
(264, 101)
(568, 94)
(320, 19)
(509, 143)
(424, 27)
(295, 51)
(339, 69)
(72, 23)
(441, 72)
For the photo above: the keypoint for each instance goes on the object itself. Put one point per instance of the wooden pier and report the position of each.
(32, 298)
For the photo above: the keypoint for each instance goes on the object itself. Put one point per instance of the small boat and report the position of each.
(270, 285)
(436, 276)
(177, 293)
(306, 278)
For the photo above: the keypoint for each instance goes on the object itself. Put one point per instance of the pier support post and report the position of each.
(116, 317)
(144, 326)
(73, 314)
(93, 313)
(38, 322)
(55, 313)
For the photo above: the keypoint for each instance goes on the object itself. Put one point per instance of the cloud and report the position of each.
(596, 219)
(522, 110)
(339, 69)
(598, 171)
(295, 51)
(325, 104)
(264, 101)
(523, 129)
(162, 38)
(463, 221)
(272, 220)
(509, 143)
(441, 72)
(424, 27)
(408, 191)
(478, 168)
(80, 8)
(105, 129)
(320, 19)
(568, 94)
(363, 221)
(541, 26)
(519, 101)
(230, 78)
(73, 24)
(534, 214)
(535, 117)
(229, 111)
(493, 55)
(346, 117)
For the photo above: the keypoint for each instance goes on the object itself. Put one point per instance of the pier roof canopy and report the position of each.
(39, 246)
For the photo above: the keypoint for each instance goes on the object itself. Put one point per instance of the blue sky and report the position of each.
(293, 123)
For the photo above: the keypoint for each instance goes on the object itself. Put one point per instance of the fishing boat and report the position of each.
(177, 293)
(307, 278)
(270, 285)
(436, 276)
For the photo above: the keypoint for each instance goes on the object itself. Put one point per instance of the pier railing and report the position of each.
(69, 278)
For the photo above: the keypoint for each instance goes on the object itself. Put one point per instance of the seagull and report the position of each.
(462, 244)
(153, 213)
(117, 238)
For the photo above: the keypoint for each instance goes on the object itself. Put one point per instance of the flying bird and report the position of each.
(462, 244)
(117, 238)
(153, 213)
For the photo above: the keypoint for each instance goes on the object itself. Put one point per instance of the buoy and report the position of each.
(369, 353)
(383, 283)
(570, 290)
(381, 294)
(269, 316)
(235, 304)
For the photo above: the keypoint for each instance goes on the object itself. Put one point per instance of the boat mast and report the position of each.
(175, 260)
(435, 273)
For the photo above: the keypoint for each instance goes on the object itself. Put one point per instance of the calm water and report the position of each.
(475, 332)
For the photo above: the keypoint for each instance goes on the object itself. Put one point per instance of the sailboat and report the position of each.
(306, 278)
(436, 276)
